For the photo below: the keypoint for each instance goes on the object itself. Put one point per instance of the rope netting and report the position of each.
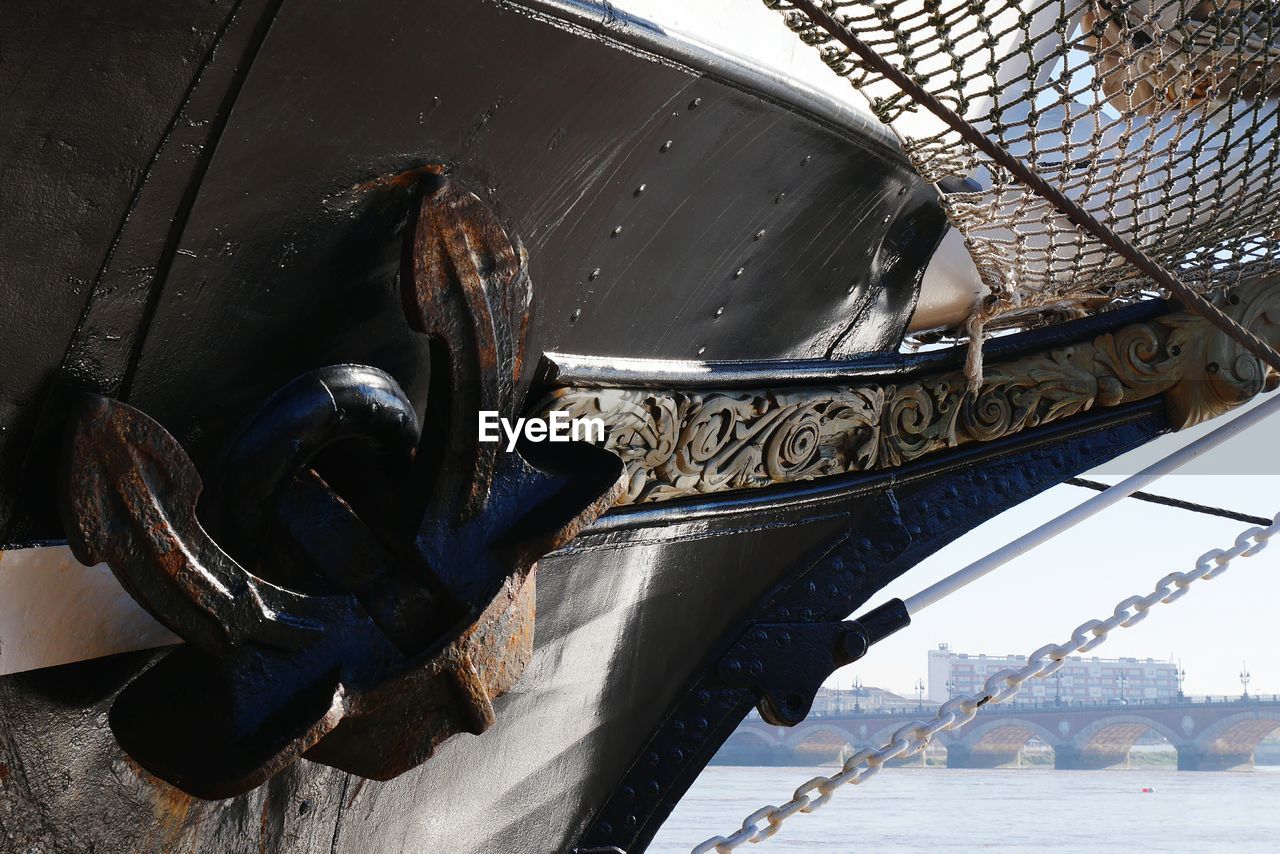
(1157, 117)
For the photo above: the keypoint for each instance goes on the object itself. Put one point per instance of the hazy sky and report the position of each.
(1042, 596)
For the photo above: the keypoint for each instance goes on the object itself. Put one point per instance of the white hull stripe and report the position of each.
(54, 610)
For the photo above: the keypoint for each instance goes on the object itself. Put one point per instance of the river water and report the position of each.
(904, 810)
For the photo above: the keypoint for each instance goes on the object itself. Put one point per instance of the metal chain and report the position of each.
(915, 736)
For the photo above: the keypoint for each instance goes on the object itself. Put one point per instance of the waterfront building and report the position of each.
(1082, 679)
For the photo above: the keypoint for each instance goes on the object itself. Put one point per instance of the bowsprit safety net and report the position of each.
(1158, 118)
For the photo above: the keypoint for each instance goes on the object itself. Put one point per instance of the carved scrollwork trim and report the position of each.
(682, 443)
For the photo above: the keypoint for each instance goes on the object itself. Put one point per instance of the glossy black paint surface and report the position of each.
(559, 134)
(666, 215)
(230, 214)
(588, 371)
(88, 98)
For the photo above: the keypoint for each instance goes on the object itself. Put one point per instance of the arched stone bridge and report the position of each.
(1208, 735)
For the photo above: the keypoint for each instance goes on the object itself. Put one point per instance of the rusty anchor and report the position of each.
(359, 627)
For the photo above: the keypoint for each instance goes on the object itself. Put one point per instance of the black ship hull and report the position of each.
(223, 195)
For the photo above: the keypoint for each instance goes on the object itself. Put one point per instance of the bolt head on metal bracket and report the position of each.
(785, 664)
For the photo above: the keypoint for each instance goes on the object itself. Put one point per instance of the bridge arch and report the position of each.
(1106, 742)
(1124, 728)
(1245, 728)
(817, 745)
(751, 746)
(1000, 727)
(997, 740)
(1230, 742)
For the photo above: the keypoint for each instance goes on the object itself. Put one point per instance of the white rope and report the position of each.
(1096, 504)
(955, 713)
